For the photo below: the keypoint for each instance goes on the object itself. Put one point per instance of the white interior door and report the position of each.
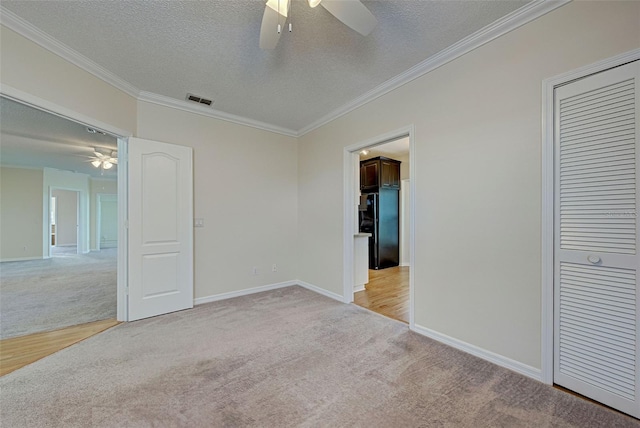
(596, 295)
(160, 228)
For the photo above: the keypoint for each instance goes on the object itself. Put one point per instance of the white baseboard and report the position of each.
(492, 357)
(319, 290)
(21, 259)
(356, 288)
(245, 292)
(405, 264)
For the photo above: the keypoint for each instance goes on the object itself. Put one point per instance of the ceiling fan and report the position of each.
(106, 161)
(351, 12)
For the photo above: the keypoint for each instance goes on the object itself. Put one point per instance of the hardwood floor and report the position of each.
(17, 352)
(387, 293)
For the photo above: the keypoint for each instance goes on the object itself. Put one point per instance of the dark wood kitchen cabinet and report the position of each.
(379, 173)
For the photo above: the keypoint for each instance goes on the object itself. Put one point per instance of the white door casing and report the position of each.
(596, 299)
(160, 228)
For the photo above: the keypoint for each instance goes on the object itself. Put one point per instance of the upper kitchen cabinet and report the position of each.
(379, 173)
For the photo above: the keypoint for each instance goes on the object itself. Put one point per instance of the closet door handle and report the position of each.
(594, 259)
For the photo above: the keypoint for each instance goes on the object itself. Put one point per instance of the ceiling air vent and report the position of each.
(199, 100)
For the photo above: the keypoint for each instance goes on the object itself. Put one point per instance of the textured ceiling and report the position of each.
(210, 48)
(33, 138)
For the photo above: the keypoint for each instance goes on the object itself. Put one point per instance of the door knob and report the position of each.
(594, 259)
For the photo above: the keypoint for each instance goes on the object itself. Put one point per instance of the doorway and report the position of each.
(64, 230)
(379, 193)
(65, 280)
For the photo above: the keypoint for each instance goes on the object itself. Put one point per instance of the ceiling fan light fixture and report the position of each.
(314, 3)
(107, 165)
(96, 163)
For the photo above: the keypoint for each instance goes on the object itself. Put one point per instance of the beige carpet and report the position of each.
(284, 358)
(69, 289)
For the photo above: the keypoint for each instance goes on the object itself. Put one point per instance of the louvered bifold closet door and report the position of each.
(596, 346)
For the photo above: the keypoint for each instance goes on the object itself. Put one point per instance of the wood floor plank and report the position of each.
(17, 352)
(387, 293)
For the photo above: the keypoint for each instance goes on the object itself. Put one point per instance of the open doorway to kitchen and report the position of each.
(380, 218)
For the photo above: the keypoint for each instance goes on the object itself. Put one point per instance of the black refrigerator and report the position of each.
(379, 216)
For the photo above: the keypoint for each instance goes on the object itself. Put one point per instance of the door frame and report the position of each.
(123, 136)
(351, 169)
(80, 234)
(548, 195)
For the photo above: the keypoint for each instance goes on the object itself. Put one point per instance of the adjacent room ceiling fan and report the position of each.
(106, 161)
(351, 12)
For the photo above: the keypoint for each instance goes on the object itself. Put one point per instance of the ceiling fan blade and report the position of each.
(352, 13)
(269, 35)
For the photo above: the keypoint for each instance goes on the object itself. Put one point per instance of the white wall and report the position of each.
(66, 217)
(108, 221)
(245, 189)
(20, 213)
(478, 137)
(98, 186)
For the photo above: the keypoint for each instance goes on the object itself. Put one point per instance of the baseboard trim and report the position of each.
(319, 290)
(245, 292)
(356, 289)
(492, 357)
(260, 289)
(21, 259)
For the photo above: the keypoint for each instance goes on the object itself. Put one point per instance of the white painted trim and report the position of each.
(162, 100)
(548, 86)
(319, 290)
(361, 288)
(122, 311)
(22, 259)
(245, 292)
(504, 25)
(492, 357)
(49, 107)
(33, 33)
(350, 174)
(412, 225)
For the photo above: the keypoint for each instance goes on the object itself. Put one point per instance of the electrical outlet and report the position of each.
(274, 268)
(198, 222)
(254, 271)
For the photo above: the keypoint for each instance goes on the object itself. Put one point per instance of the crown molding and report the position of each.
(510, 22)
(177, 104)
(504, 25)
(31, 32)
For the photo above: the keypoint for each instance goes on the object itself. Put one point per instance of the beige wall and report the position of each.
(245, 189)
(478, 160)
(30, 68)
(108, 187)
(66, 217)
(20, 213)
